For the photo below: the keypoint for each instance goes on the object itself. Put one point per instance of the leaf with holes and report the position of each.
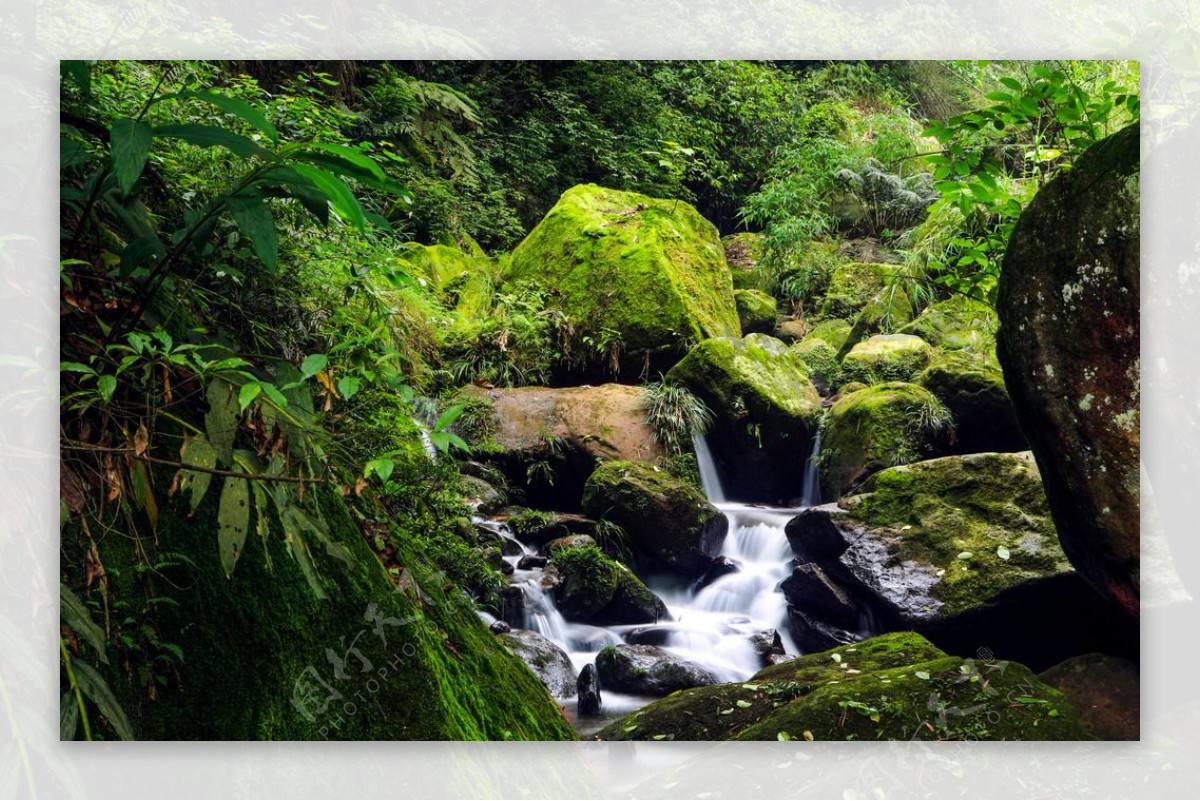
(197, 452)
(233, 516)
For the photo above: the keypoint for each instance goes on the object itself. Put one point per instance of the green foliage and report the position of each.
(675, 414)
(512, 344)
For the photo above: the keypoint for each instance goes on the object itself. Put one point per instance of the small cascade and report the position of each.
(812, 472)
(709, 478)
(426, 442)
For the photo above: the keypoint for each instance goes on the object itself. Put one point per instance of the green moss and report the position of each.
(756, 311)
(820, 359)
(589, 579)
(981, 519)
(833, 331)
(254, 642)
(878, 689)
(757, 378)
(886, 357)
(885, 311)
(881, 426)
(851, 287)
(743, 251)
(633, 273)
(956, 324)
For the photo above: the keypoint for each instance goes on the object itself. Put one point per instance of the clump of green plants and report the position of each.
(929, 418)
(675, 414)
(511, 345)
(889, 200)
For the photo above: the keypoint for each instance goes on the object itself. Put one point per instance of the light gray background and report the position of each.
(1165, 36)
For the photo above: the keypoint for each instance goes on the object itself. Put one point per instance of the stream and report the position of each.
(712, 626)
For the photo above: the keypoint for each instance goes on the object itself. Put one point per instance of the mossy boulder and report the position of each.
(262, 652)
(821, 361)
(592, 588)
(833, 331)
(972, 388)
(636, 276)
(1070, 347)
(668, 525)
(877, 427)
(648, 670)
(548, 440)
(886, 357)
(756, 311)
(959, 323)
(851, 287)
(765, 409)
(892, 687)
(884, 312)
(548, 662)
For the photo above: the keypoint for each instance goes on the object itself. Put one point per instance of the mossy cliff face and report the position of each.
(873, 428)
(893, 687)
(459, 280)
(1069, 308)
(262, 653)
(635, 275)
(668, 525)
(765, 410)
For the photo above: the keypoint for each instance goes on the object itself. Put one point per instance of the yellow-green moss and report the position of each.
(820, 358)
(851, 287)
(887, 310)
(956, 324)
(756, 311)
(886, 357)
(833, 331)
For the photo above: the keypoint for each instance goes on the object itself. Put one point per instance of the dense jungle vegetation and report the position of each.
(287, 288)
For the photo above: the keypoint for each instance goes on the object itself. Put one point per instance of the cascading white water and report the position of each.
(812, 474)
(709, 478)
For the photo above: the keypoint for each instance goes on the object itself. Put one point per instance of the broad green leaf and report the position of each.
(1011, 83)
(197, 452)
(130, 141)
(272, 392)
(77, 616)
(313, 364)
(999, 97)
(347, 386)
(283, 181)
(231, 363)
(140, 251)
(293, 538)
(233, 517)
(107, 386)
(75, 367)
(448, 417)
(356, 162)
(254, 219)
(248, 393)
(96, 689)
(340, 196)
(220, 422)
(68, 717)
(236, 107)
(743, 704)
(380, 467)
(209, 136)
(78, 71)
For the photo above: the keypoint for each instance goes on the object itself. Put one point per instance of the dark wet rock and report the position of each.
(531, 562)
(718, 567)
(811, 589)
(648, 670)
(816, 533)
(588, 691)
(767, 644)
(668, 525)
(512, 605)
(1069, 344)
(480, 495)
(551, 663)
(1105, 690)
(499, 627)
(972, 387)
(813, 634)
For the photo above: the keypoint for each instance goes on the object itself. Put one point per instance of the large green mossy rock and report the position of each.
(885, 311)
(462, 281)
(851, 287)
(820, 359)
(668, 525)
(756, 311)
(832, 331)
(264, 658)
(765, 410)
(1070, 346)
(636, 276)
(972, 388)
(893, 687)
(592, 588)
(959, 323)
(877, 427)
(886, 357)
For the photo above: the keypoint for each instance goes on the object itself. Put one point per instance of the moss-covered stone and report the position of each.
(886, 357)
(257, 646)
(742, 252)
(833, 331)
(636, 276)
(978, 526)
(893, 687)
(764, 406)
(463, 281)
(877, 427)
(756, 311)
(851, 287)
(972, 387)
(592, 588)
(668, 525)
(884, 312)
(959, 323)
(820, 358)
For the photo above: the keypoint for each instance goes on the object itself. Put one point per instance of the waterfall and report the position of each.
(430, 449)
(812, 472)
(709, 478)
